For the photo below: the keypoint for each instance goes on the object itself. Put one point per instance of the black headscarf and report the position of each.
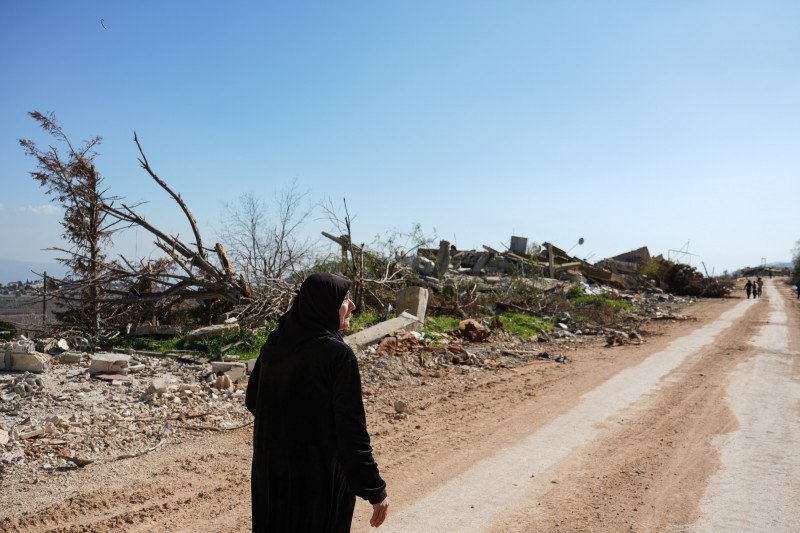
(314, 313)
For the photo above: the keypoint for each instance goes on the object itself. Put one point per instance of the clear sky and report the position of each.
(625, 123)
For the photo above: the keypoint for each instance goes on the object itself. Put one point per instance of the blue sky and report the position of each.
(625, 123)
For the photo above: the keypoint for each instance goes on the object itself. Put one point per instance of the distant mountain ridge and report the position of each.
(785, 264)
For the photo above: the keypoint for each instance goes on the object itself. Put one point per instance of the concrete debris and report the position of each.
(23, 358)
(404, 321)
(159, 385)
(87, 420)
(472, 330)
(109, 363)
(56, 346)
(413, 300)
(212, 331)
(236, 371)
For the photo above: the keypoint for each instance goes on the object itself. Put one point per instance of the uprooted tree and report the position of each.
(123, 292)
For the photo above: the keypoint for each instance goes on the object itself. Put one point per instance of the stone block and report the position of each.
(405, 322)
(25, 362)
(251, 364)
(71, 357)
(413, 300)
(211, 331)
(109, 363)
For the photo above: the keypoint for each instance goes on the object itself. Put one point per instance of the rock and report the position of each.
(109, 363)
(15, 455)
(56, 346)
(400, 406)
(235, 370)
(423, 265)
(251, 364)
(24, 361)
(223, 382)
(159, 385)
(4, 437)
(30, 433)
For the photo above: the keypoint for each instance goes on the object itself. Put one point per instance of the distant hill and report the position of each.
(14, 270)
(787, 264)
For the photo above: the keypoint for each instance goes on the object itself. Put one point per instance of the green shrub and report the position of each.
(575, 292)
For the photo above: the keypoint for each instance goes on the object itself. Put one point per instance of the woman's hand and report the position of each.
(379, 513)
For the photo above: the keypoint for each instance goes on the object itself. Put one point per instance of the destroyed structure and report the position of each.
(69, 403)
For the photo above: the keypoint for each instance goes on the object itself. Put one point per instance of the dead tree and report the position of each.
(75, 183)
(124, 292)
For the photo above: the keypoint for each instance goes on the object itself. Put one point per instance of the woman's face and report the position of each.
(344, 312)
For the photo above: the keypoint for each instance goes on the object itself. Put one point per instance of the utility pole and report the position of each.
(44, 306)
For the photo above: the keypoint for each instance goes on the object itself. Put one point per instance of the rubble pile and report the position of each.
(687, 281)
(66, 405)
(92, 408)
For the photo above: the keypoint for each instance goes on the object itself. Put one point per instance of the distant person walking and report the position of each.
(748, 287)
(760, 284)
(798, 290)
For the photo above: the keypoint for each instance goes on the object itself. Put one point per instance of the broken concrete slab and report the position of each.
(413, 300)
(71, 357)
(20, 346)
(109, 363)
(25, 362)
(405, 322)
(235, 370)
(166, 331)
(251, 364)
(212, 331)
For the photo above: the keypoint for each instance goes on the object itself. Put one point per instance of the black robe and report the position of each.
(311, 449)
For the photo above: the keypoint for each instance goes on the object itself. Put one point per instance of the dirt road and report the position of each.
(696, 430)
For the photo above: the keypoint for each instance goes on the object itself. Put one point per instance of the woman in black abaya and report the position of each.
(311, 450)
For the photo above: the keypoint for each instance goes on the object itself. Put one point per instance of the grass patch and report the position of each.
(442, 323)
(249, 348)
(524, 326)
(363, 320)
(603, 302)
